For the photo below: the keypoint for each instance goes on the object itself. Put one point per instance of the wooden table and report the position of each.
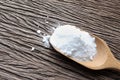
(19, 21)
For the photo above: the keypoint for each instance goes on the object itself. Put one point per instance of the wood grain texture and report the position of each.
(19, 21)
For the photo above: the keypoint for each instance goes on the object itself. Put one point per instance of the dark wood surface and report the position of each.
(19, 21)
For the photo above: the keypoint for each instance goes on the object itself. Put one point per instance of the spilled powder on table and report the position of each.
(46, 37)
(46, 41)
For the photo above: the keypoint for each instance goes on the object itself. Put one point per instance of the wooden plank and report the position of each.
(19, 21)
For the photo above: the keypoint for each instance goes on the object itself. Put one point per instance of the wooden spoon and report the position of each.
(102, 60)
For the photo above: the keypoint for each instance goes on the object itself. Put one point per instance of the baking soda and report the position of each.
(74, 42)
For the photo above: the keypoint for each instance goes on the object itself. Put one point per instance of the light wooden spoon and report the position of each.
(102, 60)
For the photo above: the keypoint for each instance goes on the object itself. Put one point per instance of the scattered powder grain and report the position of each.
(46, 41)
(33, 48)
(38, 31)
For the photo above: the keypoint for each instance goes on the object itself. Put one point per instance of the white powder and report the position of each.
(46, 41)
(74, 42)
(38, 31)
(33, 48)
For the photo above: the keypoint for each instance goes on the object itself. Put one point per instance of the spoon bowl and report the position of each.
(102, 60)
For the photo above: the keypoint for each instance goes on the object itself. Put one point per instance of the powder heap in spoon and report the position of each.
(74, 42)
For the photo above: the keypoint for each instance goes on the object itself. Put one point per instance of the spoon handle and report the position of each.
(116, 65)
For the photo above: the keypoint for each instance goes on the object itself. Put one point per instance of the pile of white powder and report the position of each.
(74, 42)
